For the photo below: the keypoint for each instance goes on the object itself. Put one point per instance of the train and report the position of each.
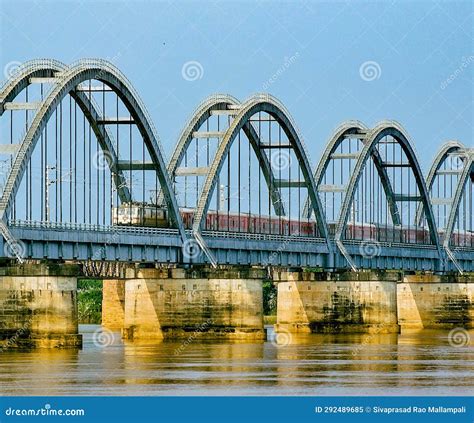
(139, 214)
(232, 222)
(152, 215)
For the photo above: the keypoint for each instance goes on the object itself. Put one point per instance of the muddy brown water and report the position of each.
(415, 363)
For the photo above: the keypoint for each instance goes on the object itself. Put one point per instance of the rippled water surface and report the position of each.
(422, 363)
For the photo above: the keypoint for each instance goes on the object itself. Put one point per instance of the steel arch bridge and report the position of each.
(84, 178)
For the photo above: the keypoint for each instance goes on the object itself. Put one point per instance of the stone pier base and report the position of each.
(436, 302)
(197, 303)
(38, 307)
(113, 303)
(364, 302)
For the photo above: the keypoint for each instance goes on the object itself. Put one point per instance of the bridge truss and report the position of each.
(78, 148)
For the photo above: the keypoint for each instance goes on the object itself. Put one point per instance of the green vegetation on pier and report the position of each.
(89, 299)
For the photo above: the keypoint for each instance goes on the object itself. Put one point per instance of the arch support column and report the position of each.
(429, 301)
(38, 307)
(321, 302)
(194, 303)
(113, 303)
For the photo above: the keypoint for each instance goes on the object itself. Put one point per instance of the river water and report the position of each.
(421, 363)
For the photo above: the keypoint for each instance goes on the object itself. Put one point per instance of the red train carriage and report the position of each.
(462, 238)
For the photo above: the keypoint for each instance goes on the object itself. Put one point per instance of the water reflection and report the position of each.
(413, 363)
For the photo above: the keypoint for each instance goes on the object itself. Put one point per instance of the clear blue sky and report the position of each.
(417, 47)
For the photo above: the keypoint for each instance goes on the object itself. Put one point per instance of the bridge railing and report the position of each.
(262, 237)
(91, 227)
(389, 244)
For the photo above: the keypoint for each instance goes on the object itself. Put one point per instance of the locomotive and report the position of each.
(139, 214)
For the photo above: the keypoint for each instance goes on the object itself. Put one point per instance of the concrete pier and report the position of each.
(38, 303)
(113, 303)
(198, 303)
(436, 302)
(38, 306)
(319, 302)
